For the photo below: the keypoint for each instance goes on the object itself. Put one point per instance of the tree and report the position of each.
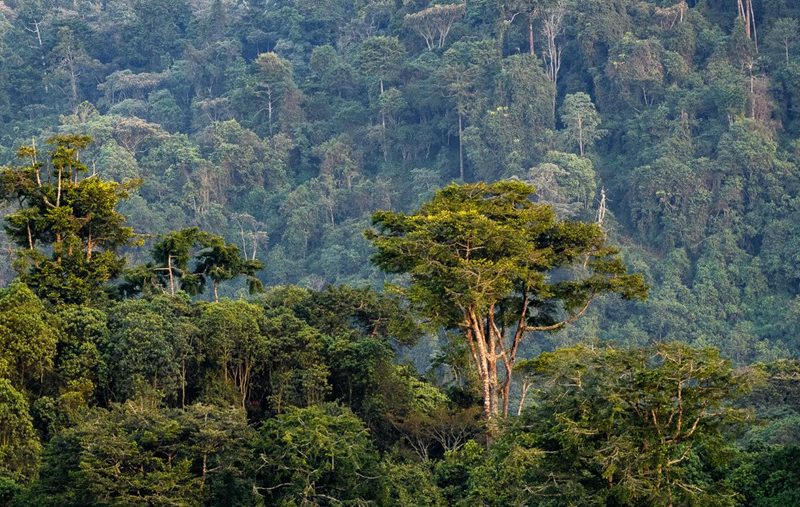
(551, 29)
(468, 70)
(748, 16)
(19, 443)
(317, 455)
(637, 426)
(234, 344)
(644, 426)
(435, 22)
(380, 58)
(221, 261)
(295, 373)
(73, 64)
(28, 337)
(275, 75)
(581, 121)
(173, 254)
(510, 9)
(565, 181)
(141, 349)
(73, 220)
(784, 36)
(482, 258)
(141, 453)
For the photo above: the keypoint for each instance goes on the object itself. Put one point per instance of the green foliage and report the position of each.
(28, 337)
(166, 457)
(75, 219)
(648, 425)
(410, 485)
(481, 258)
(19, 443)
(319, 455)
(475, 245)
(142, 348)
(581, 122)
(234, 343)
(240, 134)
(214, 259)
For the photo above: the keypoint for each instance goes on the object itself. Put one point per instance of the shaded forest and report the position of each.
(192, 313)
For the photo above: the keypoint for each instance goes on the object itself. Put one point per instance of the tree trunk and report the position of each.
(525, 388)
(530, 34)
(183, 383)
(41, 47)
(460, 146)
(486, 364)
(383, 128)
(269, 108)
(73, 80)
(171, 276)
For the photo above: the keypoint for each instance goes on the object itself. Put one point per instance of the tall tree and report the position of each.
(275, 77)
(640, 420)
(435, 22)
(581, 121)
(67, 226)
(467, 72)
(380, 58)
(186, 259)
(482, 259)
(19, 443)
(784, 36)
(528, 10)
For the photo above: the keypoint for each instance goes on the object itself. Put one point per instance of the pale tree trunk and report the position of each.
(244, 243)
(73, 77)
(551, 29)
(183, 383)
(383, 128)
(460, 145)
(269, 108)
(526, 386)
(488, 343)
(747, 14)
(38, 33)
(530, 34)
(171, 275)
(786, 49)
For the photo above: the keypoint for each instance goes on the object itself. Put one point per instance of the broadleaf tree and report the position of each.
(485, 259)
(66, 226)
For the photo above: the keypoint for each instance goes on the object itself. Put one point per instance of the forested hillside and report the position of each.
(192, 313)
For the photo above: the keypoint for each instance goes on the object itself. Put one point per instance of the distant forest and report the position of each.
(282, 125)
(245, 146)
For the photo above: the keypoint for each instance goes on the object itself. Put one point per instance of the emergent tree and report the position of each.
(66, 225)
(487, 260)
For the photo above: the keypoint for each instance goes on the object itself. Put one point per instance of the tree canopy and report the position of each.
(486, 260)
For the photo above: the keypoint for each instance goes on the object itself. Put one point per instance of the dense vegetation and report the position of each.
(190, 315)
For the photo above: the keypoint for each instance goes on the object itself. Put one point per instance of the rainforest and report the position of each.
(400, 253)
